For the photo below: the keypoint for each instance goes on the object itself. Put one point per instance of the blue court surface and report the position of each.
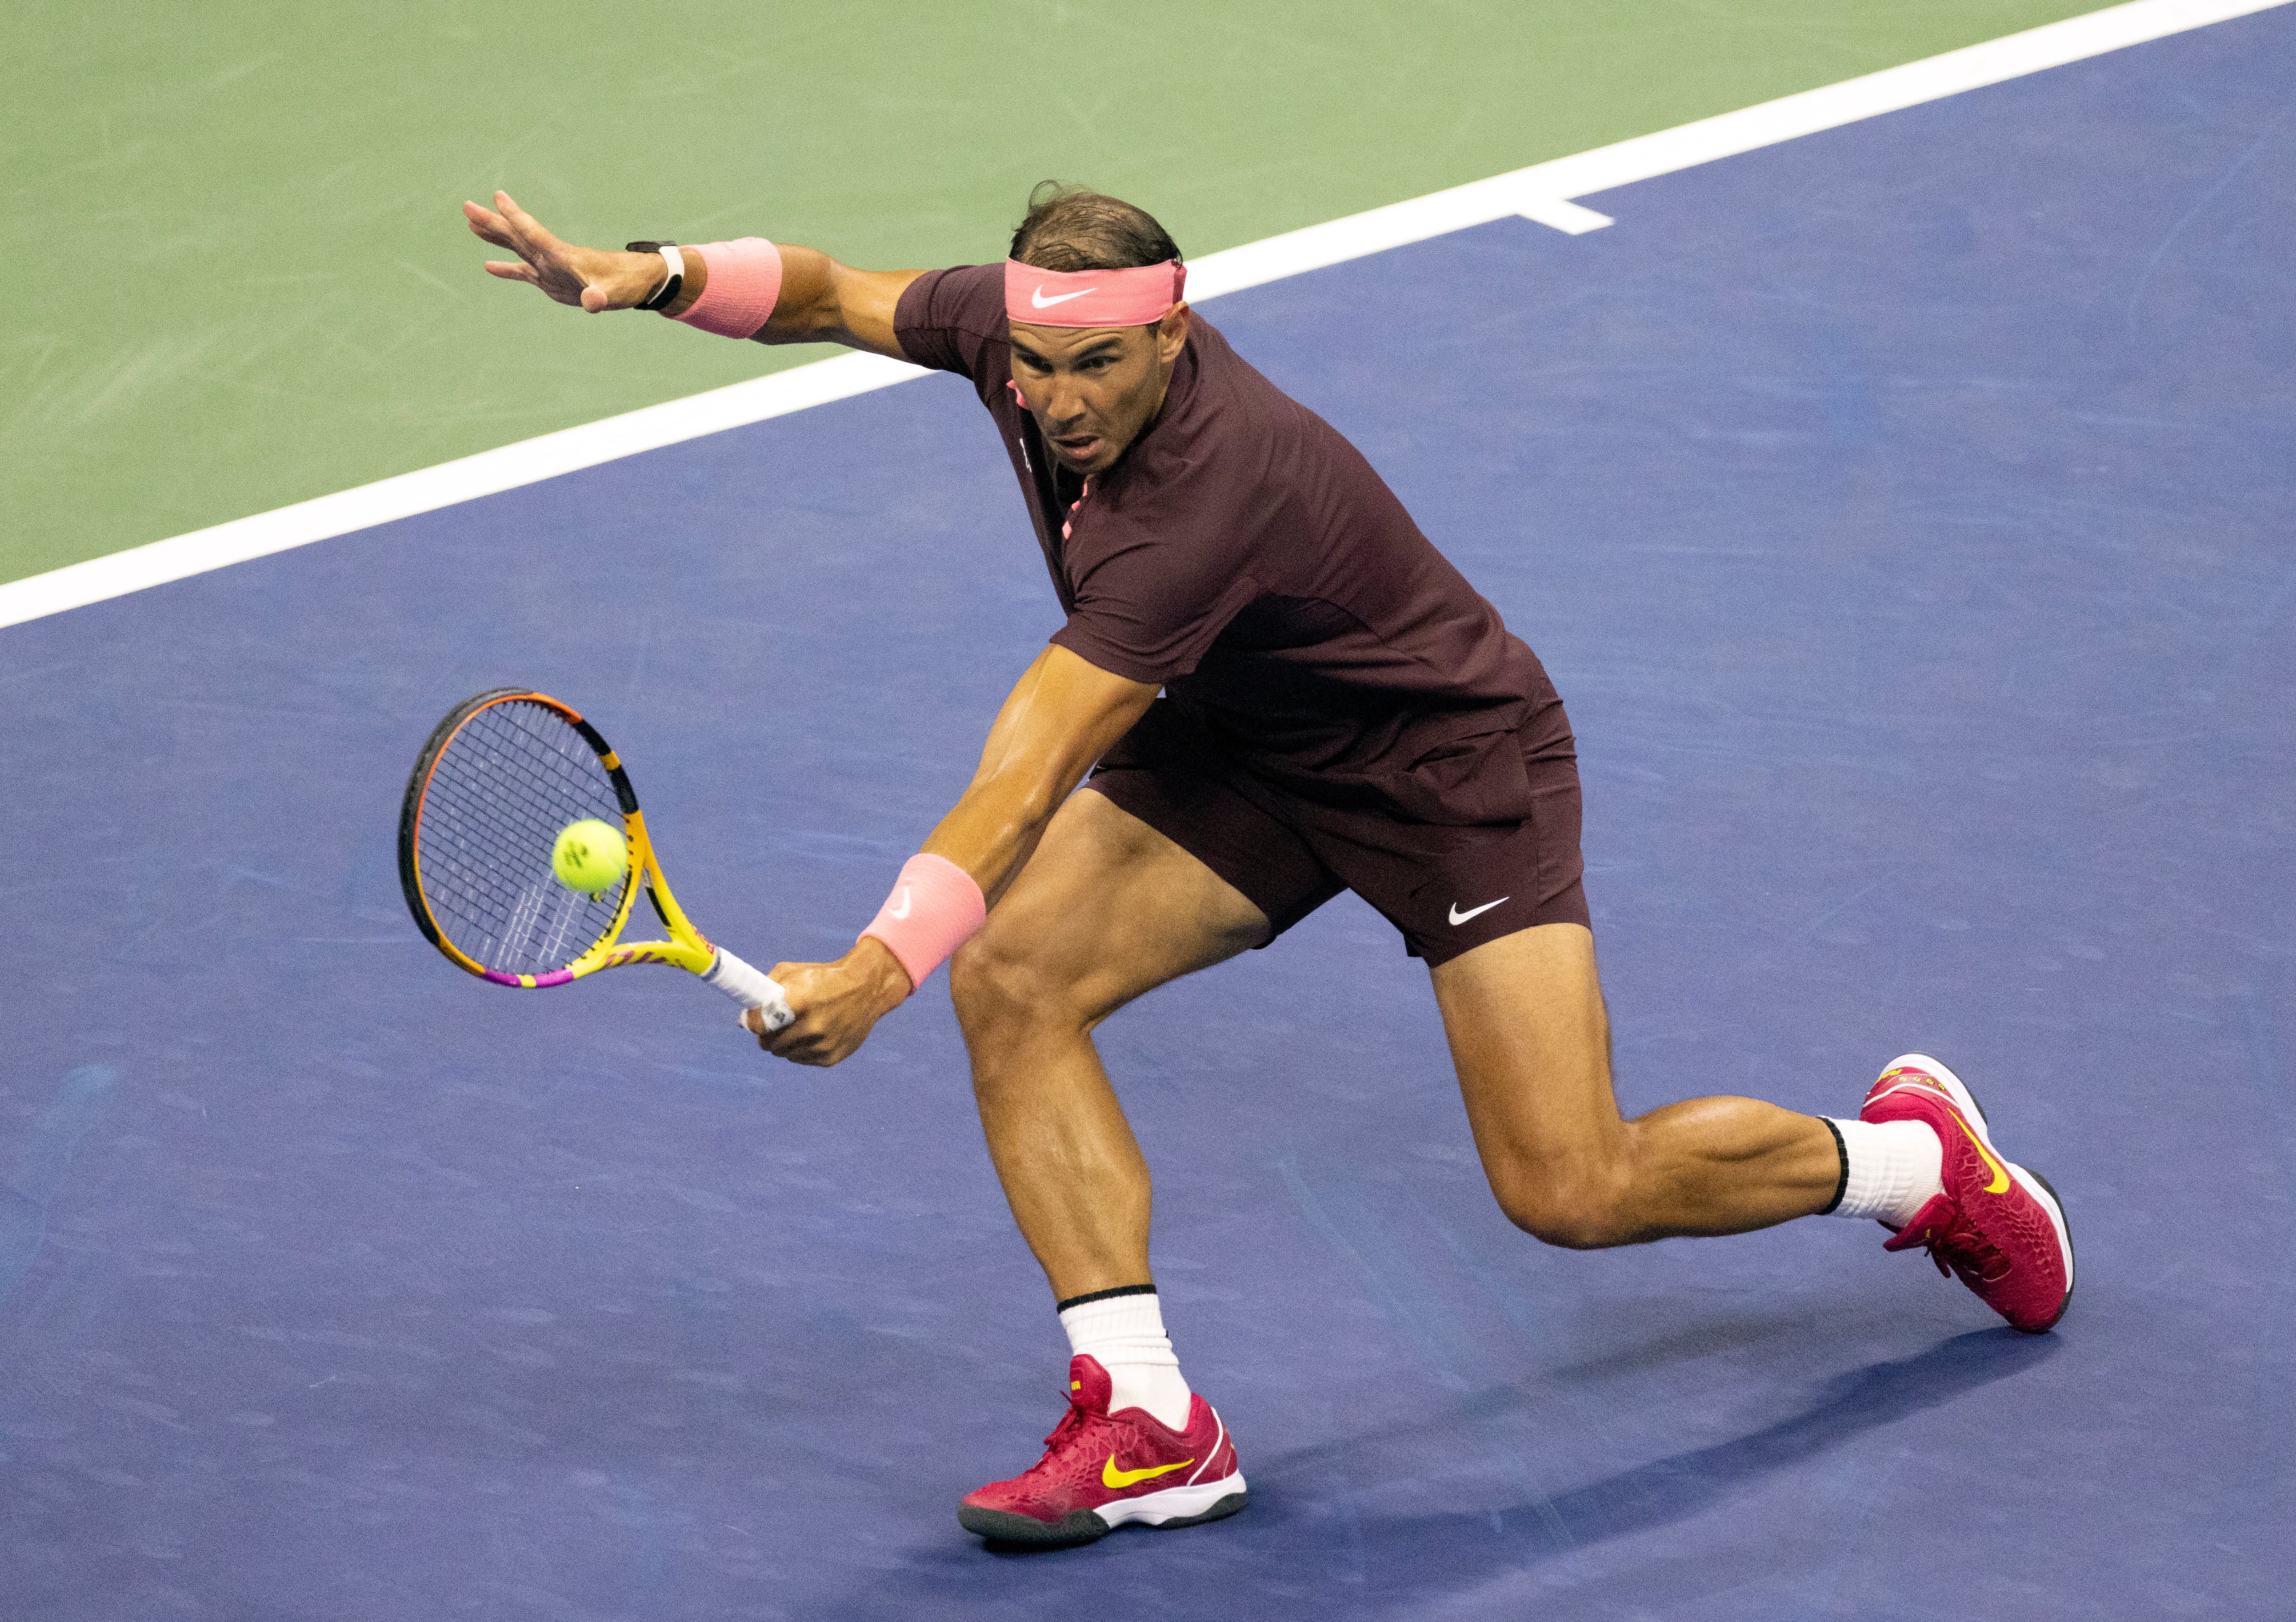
(1904, 513)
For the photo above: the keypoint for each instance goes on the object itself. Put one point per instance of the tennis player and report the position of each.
(1280, 690)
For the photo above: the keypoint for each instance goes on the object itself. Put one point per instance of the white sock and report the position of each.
(1125, 1333)
(1895, 1168)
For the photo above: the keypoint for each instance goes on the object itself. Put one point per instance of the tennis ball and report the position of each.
(590, 856)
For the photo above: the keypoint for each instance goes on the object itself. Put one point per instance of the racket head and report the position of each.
(497, 780)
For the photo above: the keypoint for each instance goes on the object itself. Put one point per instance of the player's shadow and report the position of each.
(1468, 1547)
(1682, 1484)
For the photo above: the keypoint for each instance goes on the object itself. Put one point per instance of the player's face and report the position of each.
(1092, 390)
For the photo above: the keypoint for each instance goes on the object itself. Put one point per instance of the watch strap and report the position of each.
(663, 296)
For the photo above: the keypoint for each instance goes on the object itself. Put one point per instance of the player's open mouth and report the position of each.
(1078, 448)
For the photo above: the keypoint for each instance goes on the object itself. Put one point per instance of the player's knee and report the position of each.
(995, 983)
(1576, 1205)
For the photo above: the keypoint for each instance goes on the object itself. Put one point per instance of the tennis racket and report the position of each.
(498, 779)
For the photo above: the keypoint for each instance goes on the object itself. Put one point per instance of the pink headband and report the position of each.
(1135, 298)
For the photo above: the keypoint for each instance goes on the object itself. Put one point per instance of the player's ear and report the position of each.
(1172, 334)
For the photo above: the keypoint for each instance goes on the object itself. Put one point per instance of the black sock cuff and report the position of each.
(1842, 1185)
(1110, 1295)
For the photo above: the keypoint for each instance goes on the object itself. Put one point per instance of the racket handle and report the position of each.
(750, 988)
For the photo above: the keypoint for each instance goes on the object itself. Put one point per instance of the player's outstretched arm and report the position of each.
(1063, 715)
(821, 301)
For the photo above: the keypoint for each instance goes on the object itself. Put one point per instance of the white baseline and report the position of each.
(1541, 192)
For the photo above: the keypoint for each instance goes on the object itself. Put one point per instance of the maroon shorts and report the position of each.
(1447, 888)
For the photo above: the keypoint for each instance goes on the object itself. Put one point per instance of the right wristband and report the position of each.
(934, 909)
(743, 282)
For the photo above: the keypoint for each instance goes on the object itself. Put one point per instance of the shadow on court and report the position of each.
(1682, 1484)
(78, 1104)
(1393, 1563)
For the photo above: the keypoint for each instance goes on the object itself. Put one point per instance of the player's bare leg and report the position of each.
(1106, 910)
(1529, 1035)
(1531, 1042)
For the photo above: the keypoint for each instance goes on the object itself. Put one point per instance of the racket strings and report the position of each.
(506, 783)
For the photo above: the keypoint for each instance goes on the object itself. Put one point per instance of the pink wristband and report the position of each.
(934, 909)
(743, 280)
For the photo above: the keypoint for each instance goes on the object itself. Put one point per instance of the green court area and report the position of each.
(240, 279)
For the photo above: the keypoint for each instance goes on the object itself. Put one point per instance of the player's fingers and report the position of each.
(519, 230)
(485, 222)
(803, 1044)
(777, 1043)
(525, 227)
(510, 271)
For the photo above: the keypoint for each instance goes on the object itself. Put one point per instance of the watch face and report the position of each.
(644, 247)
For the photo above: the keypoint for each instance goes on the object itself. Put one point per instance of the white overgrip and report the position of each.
(750, 988)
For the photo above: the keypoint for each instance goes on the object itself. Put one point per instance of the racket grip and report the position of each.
(750, 988)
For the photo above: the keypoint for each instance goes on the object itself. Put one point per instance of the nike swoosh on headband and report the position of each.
(1043, 303)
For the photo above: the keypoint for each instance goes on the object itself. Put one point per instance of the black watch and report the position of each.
(668, 290)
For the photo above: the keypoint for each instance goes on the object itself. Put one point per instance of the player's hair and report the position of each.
(1076, 228)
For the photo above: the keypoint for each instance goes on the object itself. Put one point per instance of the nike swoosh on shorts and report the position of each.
(1458, 917)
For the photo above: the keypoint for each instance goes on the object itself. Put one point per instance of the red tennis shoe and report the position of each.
(1101, 1469)
(1998, 1227)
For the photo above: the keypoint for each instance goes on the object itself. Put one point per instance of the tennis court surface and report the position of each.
(1902, 511)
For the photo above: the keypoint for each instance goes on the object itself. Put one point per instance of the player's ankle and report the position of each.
(1889, 1170)
(1123, 1330)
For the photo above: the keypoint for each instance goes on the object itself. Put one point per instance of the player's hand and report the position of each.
(837, 1004)
(593, 278)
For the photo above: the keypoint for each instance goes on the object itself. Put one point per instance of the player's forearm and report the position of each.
(823, 301)
(1060, 716)
(990, 835)
(993, 830)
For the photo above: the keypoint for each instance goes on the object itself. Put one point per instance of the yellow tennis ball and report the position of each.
(590, 856)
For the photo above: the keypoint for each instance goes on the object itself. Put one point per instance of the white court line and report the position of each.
(1540, 192)
(1564, 216)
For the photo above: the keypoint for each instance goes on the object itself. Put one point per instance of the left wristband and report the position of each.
(742, 284)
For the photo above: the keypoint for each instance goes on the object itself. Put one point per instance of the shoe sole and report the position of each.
(2032, 1182)
(1163, 1511)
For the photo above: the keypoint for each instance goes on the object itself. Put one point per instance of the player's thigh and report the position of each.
(1530, 1039)
(1105, 910)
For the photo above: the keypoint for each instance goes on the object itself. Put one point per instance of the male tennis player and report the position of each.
(1338, 711)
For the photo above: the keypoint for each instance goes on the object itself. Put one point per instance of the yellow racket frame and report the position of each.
(683, 947)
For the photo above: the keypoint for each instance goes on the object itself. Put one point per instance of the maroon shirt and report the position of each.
(1244, 556)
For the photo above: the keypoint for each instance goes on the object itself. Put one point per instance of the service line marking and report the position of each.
(1541, 192)
(1564, 214)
